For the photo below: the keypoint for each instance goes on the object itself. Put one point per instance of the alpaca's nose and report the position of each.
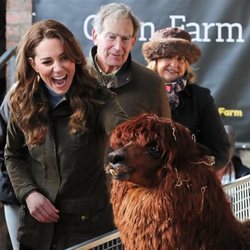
(116, 156)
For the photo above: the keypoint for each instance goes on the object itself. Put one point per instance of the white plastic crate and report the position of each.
(239, 195)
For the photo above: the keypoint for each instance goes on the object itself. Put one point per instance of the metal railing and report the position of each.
(8, 59)
(108, 241)
(242, 145)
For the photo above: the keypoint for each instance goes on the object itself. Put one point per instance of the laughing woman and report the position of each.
(59, 124)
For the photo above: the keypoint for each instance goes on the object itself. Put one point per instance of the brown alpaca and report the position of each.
(164, 194)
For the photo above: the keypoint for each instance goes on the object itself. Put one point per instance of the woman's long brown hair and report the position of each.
(29, 103)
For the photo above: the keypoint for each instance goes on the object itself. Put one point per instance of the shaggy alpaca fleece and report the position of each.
(165, 195)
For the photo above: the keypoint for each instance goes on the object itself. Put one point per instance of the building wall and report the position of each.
(18, 19)
(2, 47)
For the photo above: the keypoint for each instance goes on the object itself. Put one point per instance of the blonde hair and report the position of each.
(191, 75)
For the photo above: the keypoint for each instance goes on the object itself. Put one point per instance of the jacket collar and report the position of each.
(122, 77)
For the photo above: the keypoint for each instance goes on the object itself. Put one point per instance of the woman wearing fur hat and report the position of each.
(170, 53)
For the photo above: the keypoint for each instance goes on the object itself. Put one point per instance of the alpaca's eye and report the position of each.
(153, 150)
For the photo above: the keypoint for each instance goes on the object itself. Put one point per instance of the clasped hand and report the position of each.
(41, 208)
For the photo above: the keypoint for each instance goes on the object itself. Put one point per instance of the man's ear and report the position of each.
(134, 41)
(32, 63)
(94, 36)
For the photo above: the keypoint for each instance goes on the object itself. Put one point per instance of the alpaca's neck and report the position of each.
(182, 209)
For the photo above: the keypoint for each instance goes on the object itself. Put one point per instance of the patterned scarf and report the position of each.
(174, 87)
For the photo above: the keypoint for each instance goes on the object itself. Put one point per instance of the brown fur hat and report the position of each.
(171, 41)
